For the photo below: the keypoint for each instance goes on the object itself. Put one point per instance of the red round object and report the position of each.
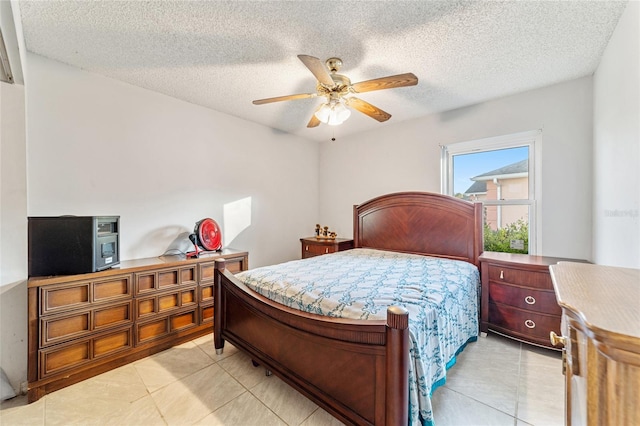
(209, 234)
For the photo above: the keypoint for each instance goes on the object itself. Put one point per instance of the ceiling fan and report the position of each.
(338, 91)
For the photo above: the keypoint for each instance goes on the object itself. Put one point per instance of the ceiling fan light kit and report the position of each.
(335, 88)
(333, 113)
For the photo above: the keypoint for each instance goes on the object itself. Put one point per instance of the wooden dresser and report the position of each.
(601, 338)
(83, 325)
(518, 298)
(313, 246)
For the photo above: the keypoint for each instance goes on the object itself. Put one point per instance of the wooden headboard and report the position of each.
(421, 223)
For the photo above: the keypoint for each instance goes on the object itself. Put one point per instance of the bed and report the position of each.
(371, 357)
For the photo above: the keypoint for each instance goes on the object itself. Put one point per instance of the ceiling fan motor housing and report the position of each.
(334, 64)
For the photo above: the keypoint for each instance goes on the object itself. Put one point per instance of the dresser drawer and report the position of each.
(59, 328)
(231, 264)
(206, 314)
(165, 301)
(82, 351)
(206, 293)
(147, 282)
(158, 328)
(526, 278)
(68, 296)
(525, 324)
(112, 289)
(524, 298)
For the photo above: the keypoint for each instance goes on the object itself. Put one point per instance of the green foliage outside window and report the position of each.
(500, 240)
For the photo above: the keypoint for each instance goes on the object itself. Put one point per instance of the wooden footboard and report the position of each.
(356, 370)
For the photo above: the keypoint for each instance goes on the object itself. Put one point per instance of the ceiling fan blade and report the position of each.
(314, 122)
(400, 80)
(285, 98)
(318, 68)
(368, 109)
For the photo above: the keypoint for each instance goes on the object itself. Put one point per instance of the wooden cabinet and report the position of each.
(316, 247)
(518, 298)
(601, 338)
(84, 325)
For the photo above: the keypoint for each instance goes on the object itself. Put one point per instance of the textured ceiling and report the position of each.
(224, 54)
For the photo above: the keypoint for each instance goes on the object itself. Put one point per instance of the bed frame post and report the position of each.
(218, 341)
(397, 389)
(478, 237)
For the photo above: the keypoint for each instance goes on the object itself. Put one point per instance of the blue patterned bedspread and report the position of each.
(441, 297)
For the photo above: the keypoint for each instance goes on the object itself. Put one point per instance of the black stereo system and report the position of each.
(67, 245)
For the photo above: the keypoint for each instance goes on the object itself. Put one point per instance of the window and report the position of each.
(502, 173)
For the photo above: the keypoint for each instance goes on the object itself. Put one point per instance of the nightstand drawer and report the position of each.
(521, 277)
(317, 250)
(316, 247)
(524, 298)
(525, 324)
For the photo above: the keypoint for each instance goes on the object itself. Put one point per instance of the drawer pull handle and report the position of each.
(530, 300)
(306, 248)
(326, 250)
(557, 340)
(502, 275)
(530, 324)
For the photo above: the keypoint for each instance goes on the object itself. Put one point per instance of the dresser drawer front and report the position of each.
(206, 314)
(524, 298)
(83, 351)
(60, 328)
(58, 298)
(231, 264)
(206, 271)
(206, 293)
(112, 289)
(68, 296)
(112, 315)
(113, 342)
(166, 301)
(523, 323)
(159, 328)
(165, 279)
(61, 358)
(537, 279)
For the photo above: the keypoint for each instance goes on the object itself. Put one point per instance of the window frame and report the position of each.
(531, 139)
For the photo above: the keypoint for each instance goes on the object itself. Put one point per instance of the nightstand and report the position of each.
(313, 246)
(518, 299)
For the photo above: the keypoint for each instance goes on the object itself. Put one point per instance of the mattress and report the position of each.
(441, 296)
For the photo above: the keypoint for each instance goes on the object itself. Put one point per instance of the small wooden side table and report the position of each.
(313, 246)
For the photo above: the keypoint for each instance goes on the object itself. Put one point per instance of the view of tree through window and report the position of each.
(500, 180)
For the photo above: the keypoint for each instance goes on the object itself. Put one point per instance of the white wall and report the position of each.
(616, 178)
(406, 156)
(97, 146)
(13, 235)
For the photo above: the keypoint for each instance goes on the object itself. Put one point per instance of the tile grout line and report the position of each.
(247, 391)
(149, 394)
(515, 414)
(482, 403)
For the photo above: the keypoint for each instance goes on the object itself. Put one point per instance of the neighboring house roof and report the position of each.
(512, 171)
(479, 187)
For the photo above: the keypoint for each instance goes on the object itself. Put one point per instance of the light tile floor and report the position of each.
(496, 381)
